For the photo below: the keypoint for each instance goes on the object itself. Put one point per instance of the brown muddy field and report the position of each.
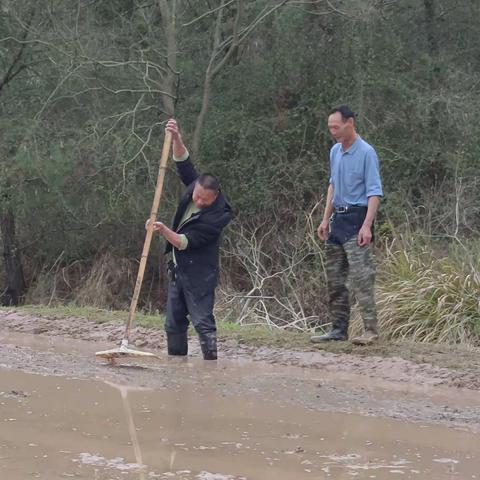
(257, 413)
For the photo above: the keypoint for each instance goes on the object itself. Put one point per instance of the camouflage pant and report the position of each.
(355, 263)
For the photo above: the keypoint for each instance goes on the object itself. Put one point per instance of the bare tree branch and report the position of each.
(206, 14)
(14, 70)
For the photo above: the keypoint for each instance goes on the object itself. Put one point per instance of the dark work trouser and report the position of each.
(355, 263)
(182, 301)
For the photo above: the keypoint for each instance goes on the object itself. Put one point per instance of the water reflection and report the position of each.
(132, 430)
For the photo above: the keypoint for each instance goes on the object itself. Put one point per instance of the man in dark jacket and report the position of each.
(194, 241)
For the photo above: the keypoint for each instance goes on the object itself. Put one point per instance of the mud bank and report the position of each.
(322, 381)
(465, 375)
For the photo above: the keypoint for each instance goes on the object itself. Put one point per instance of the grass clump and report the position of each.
(425, 298)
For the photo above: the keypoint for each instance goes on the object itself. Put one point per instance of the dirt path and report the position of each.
(369, 385)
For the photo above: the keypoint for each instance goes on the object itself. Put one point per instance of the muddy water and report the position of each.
(55, 428)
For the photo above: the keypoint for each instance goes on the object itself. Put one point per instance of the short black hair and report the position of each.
(344, 111)
(209, 181)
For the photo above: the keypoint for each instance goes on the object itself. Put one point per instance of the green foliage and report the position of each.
(81, 120)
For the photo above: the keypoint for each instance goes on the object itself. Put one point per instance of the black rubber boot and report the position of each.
(333, 335)
(208, 342)
(177, 343)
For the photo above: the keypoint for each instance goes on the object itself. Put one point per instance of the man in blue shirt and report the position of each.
(353, 198)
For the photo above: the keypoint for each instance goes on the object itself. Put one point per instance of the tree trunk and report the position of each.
(431, 31)
(15, 286)
(201, 116)
(168, 14)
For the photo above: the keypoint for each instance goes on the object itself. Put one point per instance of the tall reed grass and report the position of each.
(426, 297)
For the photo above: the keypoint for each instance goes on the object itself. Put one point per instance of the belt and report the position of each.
(348, 208)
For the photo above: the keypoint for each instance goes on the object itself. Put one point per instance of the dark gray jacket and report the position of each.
(197, 265)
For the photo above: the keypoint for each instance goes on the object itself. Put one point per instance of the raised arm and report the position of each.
(184, 164)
